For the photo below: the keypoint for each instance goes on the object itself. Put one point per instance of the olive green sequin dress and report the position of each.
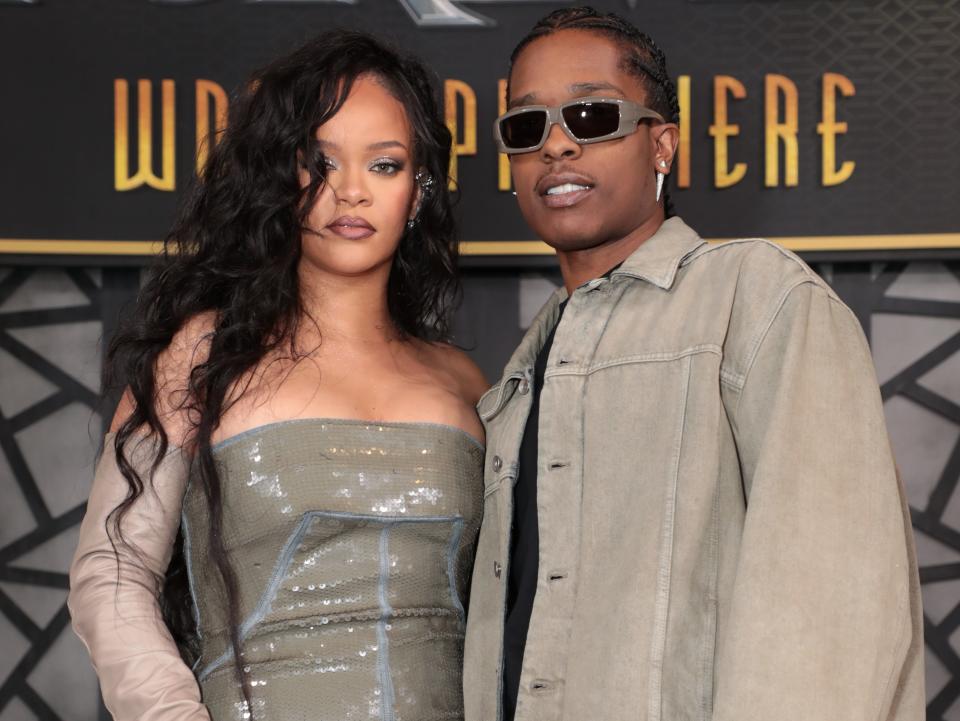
(353, 544)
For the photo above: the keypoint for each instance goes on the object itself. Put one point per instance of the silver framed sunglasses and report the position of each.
(584, 120)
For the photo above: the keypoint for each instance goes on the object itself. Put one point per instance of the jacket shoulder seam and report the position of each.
(765, 330)
(713, 247)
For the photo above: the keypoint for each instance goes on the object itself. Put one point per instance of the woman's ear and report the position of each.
(423, 185)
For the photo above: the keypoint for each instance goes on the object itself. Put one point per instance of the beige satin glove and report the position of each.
(142, 676)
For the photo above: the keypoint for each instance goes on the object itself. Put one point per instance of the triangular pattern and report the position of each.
(940, 599)
(20, 387)
(951, 513)
(66, 680)
(73, 347)
(17, 710)
(945, 379)
(931, 552)
(45, 288)
(900, 340)
(922, 444)
(40, 603)
(14, 645)
(54, 555)
(926, 281)
(15, 517)
(937, 675)
(62, 469)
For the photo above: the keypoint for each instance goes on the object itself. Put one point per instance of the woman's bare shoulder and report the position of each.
(469, 379)
(188, 348)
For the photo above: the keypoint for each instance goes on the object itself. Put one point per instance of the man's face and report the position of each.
(619, 175)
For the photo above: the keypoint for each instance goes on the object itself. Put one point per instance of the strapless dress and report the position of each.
(352, 543)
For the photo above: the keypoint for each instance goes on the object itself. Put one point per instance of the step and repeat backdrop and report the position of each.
(831, 126)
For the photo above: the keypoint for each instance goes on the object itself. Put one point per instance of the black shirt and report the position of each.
(525, 542)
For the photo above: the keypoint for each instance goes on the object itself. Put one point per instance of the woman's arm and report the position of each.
(114, 590)
(115, 584)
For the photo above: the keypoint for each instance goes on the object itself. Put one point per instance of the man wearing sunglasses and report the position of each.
(691, 508)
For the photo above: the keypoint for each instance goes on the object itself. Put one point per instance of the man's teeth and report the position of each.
(566, 188)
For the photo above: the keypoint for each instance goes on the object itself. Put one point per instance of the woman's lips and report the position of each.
(351, 228)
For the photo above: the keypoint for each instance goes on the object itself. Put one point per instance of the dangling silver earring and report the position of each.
(660, 177)
(425, 181)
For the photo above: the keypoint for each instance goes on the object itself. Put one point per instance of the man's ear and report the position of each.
(666, 140)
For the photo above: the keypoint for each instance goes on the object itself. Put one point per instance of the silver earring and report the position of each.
(425, 181)
(660, 177)
(663, 163)
(513, 193)
(410, 223)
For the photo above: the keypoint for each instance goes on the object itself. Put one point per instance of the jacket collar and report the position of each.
(661, 255)
(655, 261)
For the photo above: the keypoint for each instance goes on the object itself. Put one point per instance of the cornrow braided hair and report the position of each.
(642, 58)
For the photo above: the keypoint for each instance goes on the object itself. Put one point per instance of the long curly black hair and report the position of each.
(233, 254)
(642, 58)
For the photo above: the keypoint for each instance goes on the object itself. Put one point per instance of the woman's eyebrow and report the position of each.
(385, 144)
(381, 145)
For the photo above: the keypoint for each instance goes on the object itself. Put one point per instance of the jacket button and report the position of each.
(524, 387)
(497, 464)
(496, 569)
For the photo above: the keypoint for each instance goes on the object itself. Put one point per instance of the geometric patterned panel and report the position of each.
(51, 325)
(51, 417)
(921, 395)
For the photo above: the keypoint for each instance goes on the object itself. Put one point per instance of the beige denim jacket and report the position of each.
(722, 531)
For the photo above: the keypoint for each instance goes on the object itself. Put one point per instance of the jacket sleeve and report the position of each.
(115, 609)
(824, 619)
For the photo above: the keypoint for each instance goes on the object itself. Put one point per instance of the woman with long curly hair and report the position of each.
(283, 519)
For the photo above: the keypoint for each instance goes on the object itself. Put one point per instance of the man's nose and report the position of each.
(559, 146)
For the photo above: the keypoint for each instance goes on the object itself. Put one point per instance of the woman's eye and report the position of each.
(329, 164)
(386, 167)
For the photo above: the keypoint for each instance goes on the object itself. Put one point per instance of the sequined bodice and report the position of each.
(352, 544)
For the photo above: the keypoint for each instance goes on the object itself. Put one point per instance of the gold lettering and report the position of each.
(776, 131)
(208, 90)
(452, 90)
(504, 181)
(144, 175)
(722, 129)
(830, 128)
(683, 151)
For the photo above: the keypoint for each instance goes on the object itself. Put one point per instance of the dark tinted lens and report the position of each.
(523, 130)
(592, 120)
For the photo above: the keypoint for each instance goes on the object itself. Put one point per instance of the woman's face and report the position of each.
(614, 182)
(358, 218)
